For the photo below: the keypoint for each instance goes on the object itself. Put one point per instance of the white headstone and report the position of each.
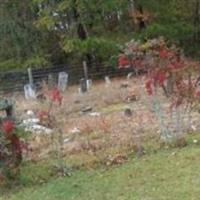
(29, 92)
(130, 75)
(89, 84)
(62, 81)
(107, 80)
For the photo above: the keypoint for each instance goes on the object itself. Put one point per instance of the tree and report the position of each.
(80, 25)
(17, 35)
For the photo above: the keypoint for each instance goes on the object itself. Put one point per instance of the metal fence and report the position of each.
(14, 81)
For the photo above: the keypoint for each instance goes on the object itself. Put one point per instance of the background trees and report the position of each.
(51, 32)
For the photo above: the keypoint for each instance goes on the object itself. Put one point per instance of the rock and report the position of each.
(66, 140)
(86, 109)
(130, 75)
(30, 113)
(193, 128)
(128, 112)
(75, 130)
(124, 85)
(77, 101)
(131, 98)
(36, 128)
(195, 141)
(30, 121)
(95, 114)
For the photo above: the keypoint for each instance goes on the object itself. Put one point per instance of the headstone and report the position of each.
(130, 75)
(62, 81)
(89, 84)
(7, 105)
(51, 81)
(107, 80)
(83, 86)
(29, 92)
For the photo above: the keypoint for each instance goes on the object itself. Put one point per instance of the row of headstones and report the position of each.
(85, 85)
(30, 89)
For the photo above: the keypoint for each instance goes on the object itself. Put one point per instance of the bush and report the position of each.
(10, 152)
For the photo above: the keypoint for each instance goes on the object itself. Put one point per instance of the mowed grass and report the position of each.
(172, 174)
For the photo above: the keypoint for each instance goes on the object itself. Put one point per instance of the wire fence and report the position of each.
(14, 81)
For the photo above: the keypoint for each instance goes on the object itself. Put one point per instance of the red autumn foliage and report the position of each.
(10, 150)
(56, 96)
(163, 53)
(123, 61)
(148, 86)
(7, 127)
(159, 78)
(43, 115)
(166, 67)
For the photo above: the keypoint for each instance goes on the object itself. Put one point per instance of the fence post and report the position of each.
(30, 76)
(85, 70)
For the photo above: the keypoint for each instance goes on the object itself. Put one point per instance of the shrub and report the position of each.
(169, 70)
(10, 152)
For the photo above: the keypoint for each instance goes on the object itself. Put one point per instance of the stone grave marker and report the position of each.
(107, 80)
(89, 84)
(83, 85)
(62, 81)
(51, 81)
(29, 92)
(130, 75)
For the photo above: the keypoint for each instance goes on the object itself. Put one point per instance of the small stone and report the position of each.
(130, 75)
(124, 85)
(66, 140)
(31, 121)
(77, 101)
(193, 128)
(95, 114)
(75, 130)
(30, 113)
(128, 112)
(195, 141)
(87, 109)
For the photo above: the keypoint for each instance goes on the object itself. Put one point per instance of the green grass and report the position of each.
(172, 174)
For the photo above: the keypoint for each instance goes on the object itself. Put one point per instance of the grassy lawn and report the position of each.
(167, 175)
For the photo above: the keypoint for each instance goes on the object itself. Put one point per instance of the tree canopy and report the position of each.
(50, 32)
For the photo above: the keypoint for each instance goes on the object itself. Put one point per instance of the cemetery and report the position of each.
(99, 100)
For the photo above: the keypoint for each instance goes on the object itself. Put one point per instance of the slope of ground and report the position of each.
(166, 175)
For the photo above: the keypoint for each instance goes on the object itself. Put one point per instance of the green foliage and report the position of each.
(40, 32)
(100, 47)
(175, 32)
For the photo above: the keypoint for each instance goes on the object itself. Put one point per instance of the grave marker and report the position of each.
(83, 86)
(107, 80)
(62, 81)
(29, 92)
